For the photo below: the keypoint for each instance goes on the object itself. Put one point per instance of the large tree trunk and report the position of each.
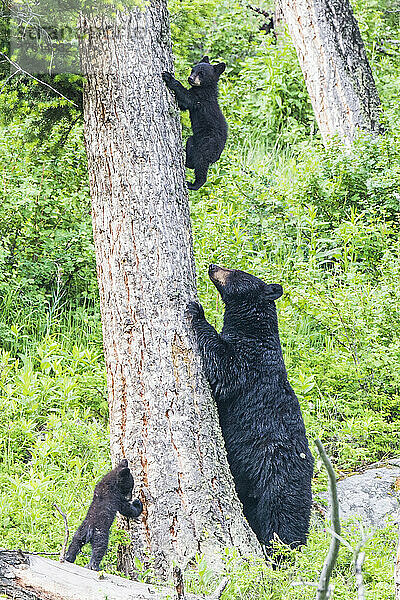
(162, 417)
(335, 66)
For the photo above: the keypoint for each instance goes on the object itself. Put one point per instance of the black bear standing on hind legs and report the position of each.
(259, 413)
(210, 129)
(111, 495)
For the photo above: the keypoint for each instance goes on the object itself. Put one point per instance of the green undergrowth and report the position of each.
(295, 579)
(338, 262)
(321, 221)
(53, 441)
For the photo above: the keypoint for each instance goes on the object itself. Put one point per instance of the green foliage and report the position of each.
(252, 579)
(322, 221)
(266, 101)
(53, 441)
(362, 184)
(46, 248)
(379, 22)
(44, 230)
(339, 316)
(200, 27)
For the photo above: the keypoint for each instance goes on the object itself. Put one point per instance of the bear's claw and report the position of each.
(167, 76)
(195, 310)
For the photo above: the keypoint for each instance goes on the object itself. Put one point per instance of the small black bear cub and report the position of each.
(210, 129)
(111, 495)
(259, 413)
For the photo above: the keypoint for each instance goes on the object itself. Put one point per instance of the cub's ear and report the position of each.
(123, 464)
(204, 59)
(219, 68)
(124, 474)
(274, 291)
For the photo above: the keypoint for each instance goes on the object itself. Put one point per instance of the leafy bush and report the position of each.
(266, 100)
(200, 27)
(322, 221)
(252, 579)
(53, 441)
(45, 226)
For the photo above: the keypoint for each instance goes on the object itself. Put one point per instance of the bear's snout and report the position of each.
(194, 80)
(219, 274)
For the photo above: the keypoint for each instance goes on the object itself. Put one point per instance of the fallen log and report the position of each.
(31, 577)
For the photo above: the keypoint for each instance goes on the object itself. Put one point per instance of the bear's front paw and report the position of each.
(167, 77)
(195, 311)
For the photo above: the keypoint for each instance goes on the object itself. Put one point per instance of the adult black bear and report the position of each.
(210, 129)
(111, 495)
(259, 413)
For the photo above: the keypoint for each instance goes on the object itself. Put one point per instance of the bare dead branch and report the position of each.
(347, 333)
(8, 79)
(259, 11)
(219, 590)
(269, 24)
(358, 563)
(66, 533)
(18, 68)
(324, 590)
(358, 558)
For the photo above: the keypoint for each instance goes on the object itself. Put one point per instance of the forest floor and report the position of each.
(323, 222)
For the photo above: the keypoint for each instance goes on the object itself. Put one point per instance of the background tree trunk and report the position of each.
(278, 16)
(335, 66)
(162, 417)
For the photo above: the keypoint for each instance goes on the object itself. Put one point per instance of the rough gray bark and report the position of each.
(162, 416)
(278, 16)
(11, 562)
(335, 66)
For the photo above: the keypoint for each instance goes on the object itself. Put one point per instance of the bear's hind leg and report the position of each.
(200, 173)
(284, 516)
(99, 543)
(78, 541)
(189, 162)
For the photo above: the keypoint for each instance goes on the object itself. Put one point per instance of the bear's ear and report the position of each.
(124, 474)
(123, 464)
(204, 59)
(219, 68)
(274, 291)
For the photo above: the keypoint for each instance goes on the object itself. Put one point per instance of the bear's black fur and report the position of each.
(210, 129)
(259, 413)
(111, 495)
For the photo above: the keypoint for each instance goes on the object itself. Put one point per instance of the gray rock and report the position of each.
(371, 495)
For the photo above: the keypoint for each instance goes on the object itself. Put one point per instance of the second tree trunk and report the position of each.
(335, 66)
